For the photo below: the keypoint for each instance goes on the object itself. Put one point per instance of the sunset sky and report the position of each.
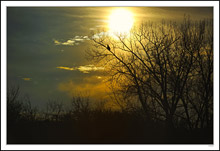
(46, 46)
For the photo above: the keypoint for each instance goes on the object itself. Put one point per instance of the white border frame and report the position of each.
(5, 4)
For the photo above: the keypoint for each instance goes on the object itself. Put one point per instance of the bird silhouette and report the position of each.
(108, 47)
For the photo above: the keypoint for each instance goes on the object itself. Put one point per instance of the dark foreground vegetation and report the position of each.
(162, 79)
(107, 128)
(83, 124)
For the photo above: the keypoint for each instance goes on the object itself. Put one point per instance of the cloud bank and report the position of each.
(72, 41)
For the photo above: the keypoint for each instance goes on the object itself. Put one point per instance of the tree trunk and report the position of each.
(169, 121)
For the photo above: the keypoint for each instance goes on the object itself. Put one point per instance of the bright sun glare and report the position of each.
(120, 21)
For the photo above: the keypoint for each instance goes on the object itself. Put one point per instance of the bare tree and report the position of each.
(14, 106)
(53, 110)
(29, 112)
(199, 91)
(155, 62)
(80, 105)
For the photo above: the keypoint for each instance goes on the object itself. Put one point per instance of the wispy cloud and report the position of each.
(100, 35)
(65, 68)
(83, 69)
(67, 43)
(72, 41)
(88, 68)
(26, 79)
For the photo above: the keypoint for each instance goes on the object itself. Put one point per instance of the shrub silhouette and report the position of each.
(95, 126)
(14, 106)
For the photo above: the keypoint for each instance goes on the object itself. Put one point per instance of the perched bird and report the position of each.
(108, 47)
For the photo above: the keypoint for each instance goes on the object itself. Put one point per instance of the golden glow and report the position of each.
(95, 87)
(120, 21)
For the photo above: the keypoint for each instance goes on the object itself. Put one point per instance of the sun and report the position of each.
(120, 21)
